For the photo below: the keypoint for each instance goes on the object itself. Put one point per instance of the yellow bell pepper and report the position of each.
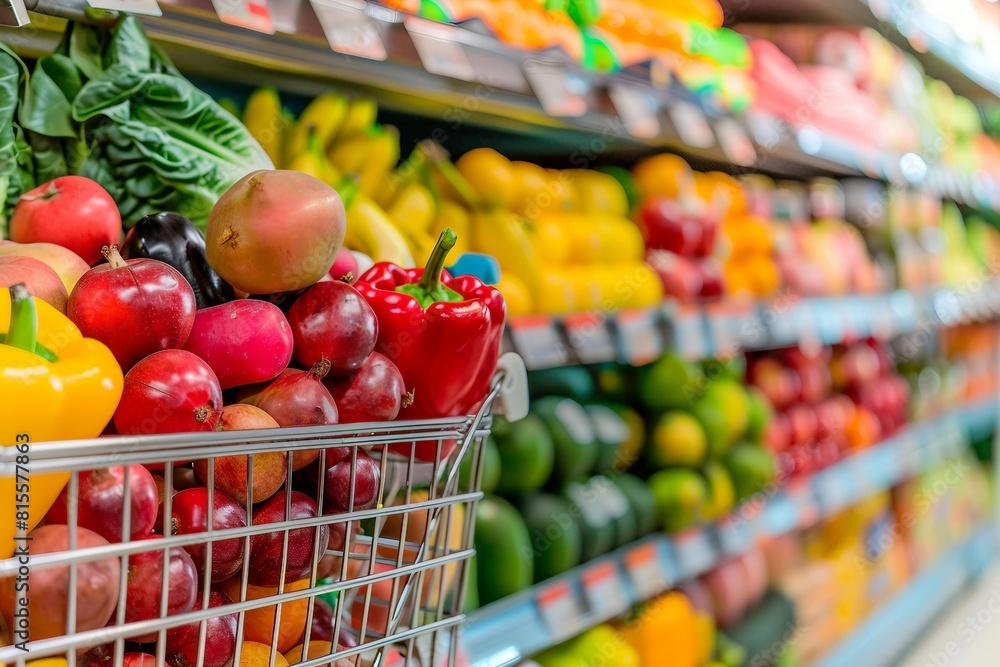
(54, 385)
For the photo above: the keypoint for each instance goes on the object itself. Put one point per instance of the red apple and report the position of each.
(375, 393)
(145, 579)
(712, 285)
(169, 392)
(778, 434)
(71, 211)
(345, 267)
(42, 282)
(729, 591)
(665, 226)
(136, 307)
(802, 419)
(267, 550)
(681, 278)
(67, 264)
(332, 321)
(814, 383)
(220, 637)
(101, 502)
(189, 514)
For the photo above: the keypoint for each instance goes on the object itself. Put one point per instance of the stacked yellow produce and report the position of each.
(337, 140)
(562, 238)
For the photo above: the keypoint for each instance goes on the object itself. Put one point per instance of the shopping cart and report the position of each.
(387, 581)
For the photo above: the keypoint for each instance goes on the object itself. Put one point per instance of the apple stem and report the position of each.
(408, 399)
(113, 256)
(347, 277)
(49, 193)
(202, 413)
(320, 369)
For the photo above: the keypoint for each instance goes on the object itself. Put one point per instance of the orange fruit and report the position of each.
(863, 429)
(255, 654)
(258, 625)
(663, 175)
(316, 650)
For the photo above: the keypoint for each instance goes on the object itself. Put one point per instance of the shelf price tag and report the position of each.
(589, 336)
(439, 50)
(642, 563)
(694, 551)
(252, 14)
(561, 611)
(560, 93)
(691, 124)
(735, 142)
(602, 587)
(144, 7)
(537, 340)
(725, 343)
(689, 332)
(800, 494)
(348, 29)
(639, 337)
(735, 534)
(637, 110)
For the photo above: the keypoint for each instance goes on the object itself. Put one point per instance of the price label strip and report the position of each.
(722, 331)
(251, 14)
(590, 337)
(735, 534)
(602, 588)
(561, 93)
(637, 109)
(561, 611)
(801, 494)
(735, 142)
(349, 30)
(439, 50)
(642, 564)
(694, 551)
(689, 336)
(538, 342)
(639, 339)
(143, 7)
(691, 125)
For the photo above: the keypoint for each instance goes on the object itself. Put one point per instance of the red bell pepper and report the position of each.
(442, 332)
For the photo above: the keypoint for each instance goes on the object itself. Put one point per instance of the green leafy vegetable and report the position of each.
(16, 174)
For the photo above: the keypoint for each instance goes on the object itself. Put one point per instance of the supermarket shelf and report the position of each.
(893, 628)
(723, 328)
(505, 632)
(968, 69)
(463, 75)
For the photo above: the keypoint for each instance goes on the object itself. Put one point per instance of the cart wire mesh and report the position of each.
(358, 556)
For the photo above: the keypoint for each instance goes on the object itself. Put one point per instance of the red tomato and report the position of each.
(71, 211)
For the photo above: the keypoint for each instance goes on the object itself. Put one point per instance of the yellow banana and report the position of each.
(313, 161)
(450, 214)
(370, 231)
(361, 113)
(371, 156)
(413, 208)
(267, 122)
(325, 113)
(421, 244)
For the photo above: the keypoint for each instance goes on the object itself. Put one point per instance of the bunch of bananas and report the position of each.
(337, 140)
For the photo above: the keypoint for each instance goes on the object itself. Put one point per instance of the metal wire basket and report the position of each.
(381, 566)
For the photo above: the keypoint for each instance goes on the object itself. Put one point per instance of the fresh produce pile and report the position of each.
(787, 602)
(686, 38)
(242, 327)
(109, 105)
(586, 473)
(829, 401)
(854, 84)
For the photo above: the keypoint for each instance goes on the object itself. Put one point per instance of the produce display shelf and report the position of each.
(518, 626)
(893, 628)
(462, 74)
(724, 328)
(967, 68)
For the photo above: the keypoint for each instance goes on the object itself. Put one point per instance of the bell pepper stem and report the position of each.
(23, 332)
(430, 289)
(431, 280)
